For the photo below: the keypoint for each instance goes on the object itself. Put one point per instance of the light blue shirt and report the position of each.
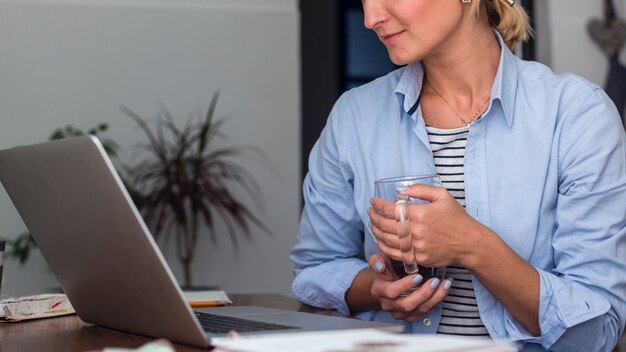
(545, 168)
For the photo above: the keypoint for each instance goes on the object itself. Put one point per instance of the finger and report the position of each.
(383, 223)
(394, 289)
(404, 306)
(384, 207)
(439, 294)
(377, 262)
(429, 295)
(380, 263)
(388, 243)
(381, 232)
(388, 250)
(426, 192)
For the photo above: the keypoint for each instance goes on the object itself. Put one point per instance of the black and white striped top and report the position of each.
(460, 311)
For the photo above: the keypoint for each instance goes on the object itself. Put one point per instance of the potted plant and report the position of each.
(183, 184)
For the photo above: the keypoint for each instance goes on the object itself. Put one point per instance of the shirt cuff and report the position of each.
(562, 305)
(325, 285)
(517, 332)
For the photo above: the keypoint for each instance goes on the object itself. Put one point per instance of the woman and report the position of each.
(531, 221)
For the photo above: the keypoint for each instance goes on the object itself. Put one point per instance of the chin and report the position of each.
(400, 60)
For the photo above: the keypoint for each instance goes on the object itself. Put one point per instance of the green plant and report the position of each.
(20, 247)
(183, 184)
(70, 131)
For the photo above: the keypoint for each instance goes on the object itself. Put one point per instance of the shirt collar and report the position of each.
(504, 87)
(410, 86)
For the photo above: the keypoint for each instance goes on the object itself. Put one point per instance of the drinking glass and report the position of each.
(395, 189)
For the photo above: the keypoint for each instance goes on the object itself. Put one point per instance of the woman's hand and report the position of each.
(441, 230)
(388, 289)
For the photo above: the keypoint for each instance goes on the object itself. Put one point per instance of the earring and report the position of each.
(511, 2)
(466, 1)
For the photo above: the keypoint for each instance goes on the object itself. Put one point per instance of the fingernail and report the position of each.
(448, 284)
(417, 279)
(378, 266)
(369, 224)
(435, 283)
(371, 201)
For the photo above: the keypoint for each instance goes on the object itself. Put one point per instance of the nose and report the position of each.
(374, 12)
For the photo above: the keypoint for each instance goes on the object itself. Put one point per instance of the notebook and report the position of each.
(90, 232)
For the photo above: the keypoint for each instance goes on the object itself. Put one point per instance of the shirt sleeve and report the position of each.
(583, 299)
(329, 249)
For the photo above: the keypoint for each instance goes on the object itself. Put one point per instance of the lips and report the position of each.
(389, 39)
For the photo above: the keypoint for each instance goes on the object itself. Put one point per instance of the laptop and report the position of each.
(94, 239)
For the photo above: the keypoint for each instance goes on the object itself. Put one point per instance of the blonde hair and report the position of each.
(511, 21)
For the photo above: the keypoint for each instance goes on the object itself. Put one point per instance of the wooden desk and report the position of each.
(69, 333)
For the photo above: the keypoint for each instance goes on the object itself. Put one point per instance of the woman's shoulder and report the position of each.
(542, 79)
(566, 97)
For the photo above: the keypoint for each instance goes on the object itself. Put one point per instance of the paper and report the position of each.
(370, 340)
(160, 345)
(207, 298)
(34, 307)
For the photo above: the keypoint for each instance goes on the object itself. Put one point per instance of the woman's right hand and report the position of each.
(388, 289)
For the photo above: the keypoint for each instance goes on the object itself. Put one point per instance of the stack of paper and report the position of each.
(359, 341)
(34, 307)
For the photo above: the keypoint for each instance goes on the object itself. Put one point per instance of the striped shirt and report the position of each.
(460, 312)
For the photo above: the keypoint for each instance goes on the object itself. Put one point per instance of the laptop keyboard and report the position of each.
(223, 324)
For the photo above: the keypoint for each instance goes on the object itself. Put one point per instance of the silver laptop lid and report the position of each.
(74, 203)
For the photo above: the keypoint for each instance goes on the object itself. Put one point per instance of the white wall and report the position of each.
(563, 42)
(75, 61)
(571, 48)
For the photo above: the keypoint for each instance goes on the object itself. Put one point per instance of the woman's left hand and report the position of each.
(442, 232)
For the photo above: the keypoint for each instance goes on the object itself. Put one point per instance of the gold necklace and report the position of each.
(472, 118)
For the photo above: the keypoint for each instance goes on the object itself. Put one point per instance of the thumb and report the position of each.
(377, 262)
(426, 192)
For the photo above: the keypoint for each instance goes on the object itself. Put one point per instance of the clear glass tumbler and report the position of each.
(394, 189)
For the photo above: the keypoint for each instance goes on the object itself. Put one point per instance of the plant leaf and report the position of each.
(183, 184)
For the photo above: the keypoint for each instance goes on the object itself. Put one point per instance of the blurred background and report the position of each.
(278, 64)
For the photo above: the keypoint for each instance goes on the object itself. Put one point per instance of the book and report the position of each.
(207, 298)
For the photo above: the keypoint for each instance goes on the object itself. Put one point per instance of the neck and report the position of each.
(464, 69)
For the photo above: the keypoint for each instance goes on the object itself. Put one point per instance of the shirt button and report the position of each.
(427, 322)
